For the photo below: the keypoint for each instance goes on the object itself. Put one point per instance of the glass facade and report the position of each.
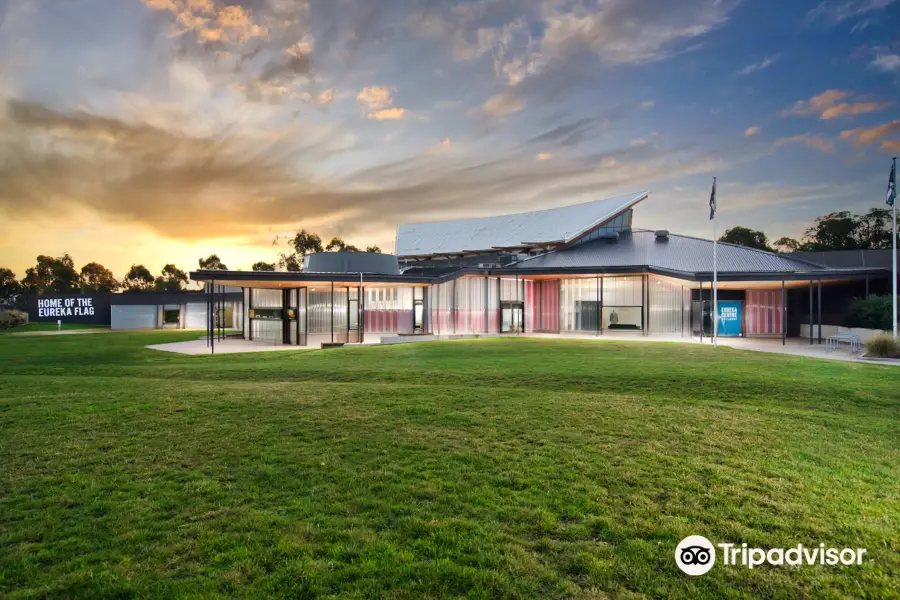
(471, 305)
(669, 306)
(267, 325)
(620, 223)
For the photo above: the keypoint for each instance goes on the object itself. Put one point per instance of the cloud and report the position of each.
(888, 63)
(647, 104)
(815, 142)
(628, 31)
(759, 66)
(828, 106)
(869, 135)
(891, 146)
(209, 22)
(545, 33)
(544, 156)
(378, 101)
(751, 131)
(446, 142)
(388, 114)
(502, 105)
(832, 12)
(375, 98)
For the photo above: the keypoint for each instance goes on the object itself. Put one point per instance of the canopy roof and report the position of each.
(674, 253)
(536, 228)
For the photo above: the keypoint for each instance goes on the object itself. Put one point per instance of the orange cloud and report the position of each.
(810, 141)
(388, 114)
(870, 135)
(892, 146)
(544, 156)
(751, 131)
(827, 106)
(375, 98)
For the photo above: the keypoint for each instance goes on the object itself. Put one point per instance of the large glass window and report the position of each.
(266, 316)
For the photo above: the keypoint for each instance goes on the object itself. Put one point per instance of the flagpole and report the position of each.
(716, 278)
(894, 246)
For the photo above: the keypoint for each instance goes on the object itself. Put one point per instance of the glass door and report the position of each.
(512, 317)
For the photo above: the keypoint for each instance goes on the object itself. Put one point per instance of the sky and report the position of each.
(158, 131)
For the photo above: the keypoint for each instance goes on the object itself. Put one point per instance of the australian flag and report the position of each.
(712, 201)
(892, 186)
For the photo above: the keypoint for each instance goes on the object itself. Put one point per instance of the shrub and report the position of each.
(12, 318)
(883, 346)
(872, 313)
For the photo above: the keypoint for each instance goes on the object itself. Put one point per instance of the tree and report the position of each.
(97, 278)
(10, 288)
(834, 231)
(743, 236)
(51, 275)
(373, 249)
(787, 244)
(138, 279)
(873, 229)
(301, 244)
(212, 263)
(337, 244)
(172, 279)
(263, 266)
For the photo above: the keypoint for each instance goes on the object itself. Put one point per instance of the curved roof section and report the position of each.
(675, 253)
(351, 262)
(553, 225)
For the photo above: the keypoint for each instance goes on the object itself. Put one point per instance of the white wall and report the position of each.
(133, 316)
(827, 330)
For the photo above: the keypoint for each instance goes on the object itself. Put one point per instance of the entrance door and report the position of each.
(512, 317)
(418, 316)
(289, 315)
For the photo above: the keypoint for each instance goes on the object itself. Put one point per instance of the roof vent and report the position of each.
(610, 237)
(662, 235)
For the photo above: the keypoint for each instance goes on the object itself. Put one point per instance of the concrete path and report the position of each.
(794, 346)
(229, 346)
(63, 332)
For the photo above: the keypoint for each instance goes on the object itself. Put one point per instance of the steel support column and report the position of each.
(820, 311)
(783, 316)
(810, 313)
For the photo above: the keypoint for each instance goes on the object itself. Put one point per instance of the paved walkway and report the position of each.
(228, 346)
(794, 346)
(63, 332)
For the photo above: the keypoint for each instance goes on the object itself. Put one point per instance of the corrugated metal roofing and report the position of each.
(540, 226)
(676, 253)
(849, 259)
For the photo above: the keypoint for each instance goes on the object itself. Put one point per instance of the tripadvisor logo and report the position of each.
(696, 555)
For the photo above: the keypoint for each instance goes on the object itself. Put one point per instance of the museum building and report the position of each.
(579, 269)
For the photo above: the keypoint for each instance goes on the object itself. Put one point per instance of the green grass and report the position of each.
(28, 327)
(514, 468)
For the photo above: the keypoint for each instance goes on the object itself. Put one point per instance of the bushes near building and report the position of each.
(873, 312)
(12, 318)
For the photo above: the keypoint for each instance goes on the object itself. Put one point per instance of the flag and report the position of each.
(892, 186)
(712, 201)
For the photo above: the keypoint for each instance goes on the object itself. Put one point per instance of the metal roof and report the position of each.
(675, 253)
(849, 259)
(554, 225)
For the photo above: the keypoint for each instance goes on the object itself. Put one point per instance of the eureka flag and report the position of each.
(892, 185)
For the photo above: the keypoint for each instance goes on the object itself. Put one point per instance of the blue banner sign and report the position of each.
(730, 318)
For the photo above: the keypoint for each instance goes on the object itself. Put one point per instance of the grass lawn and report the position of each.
(51, 327)
(510, 468)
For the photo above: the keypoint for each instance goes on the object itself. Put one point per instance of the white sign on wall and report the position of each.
(65, 307)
